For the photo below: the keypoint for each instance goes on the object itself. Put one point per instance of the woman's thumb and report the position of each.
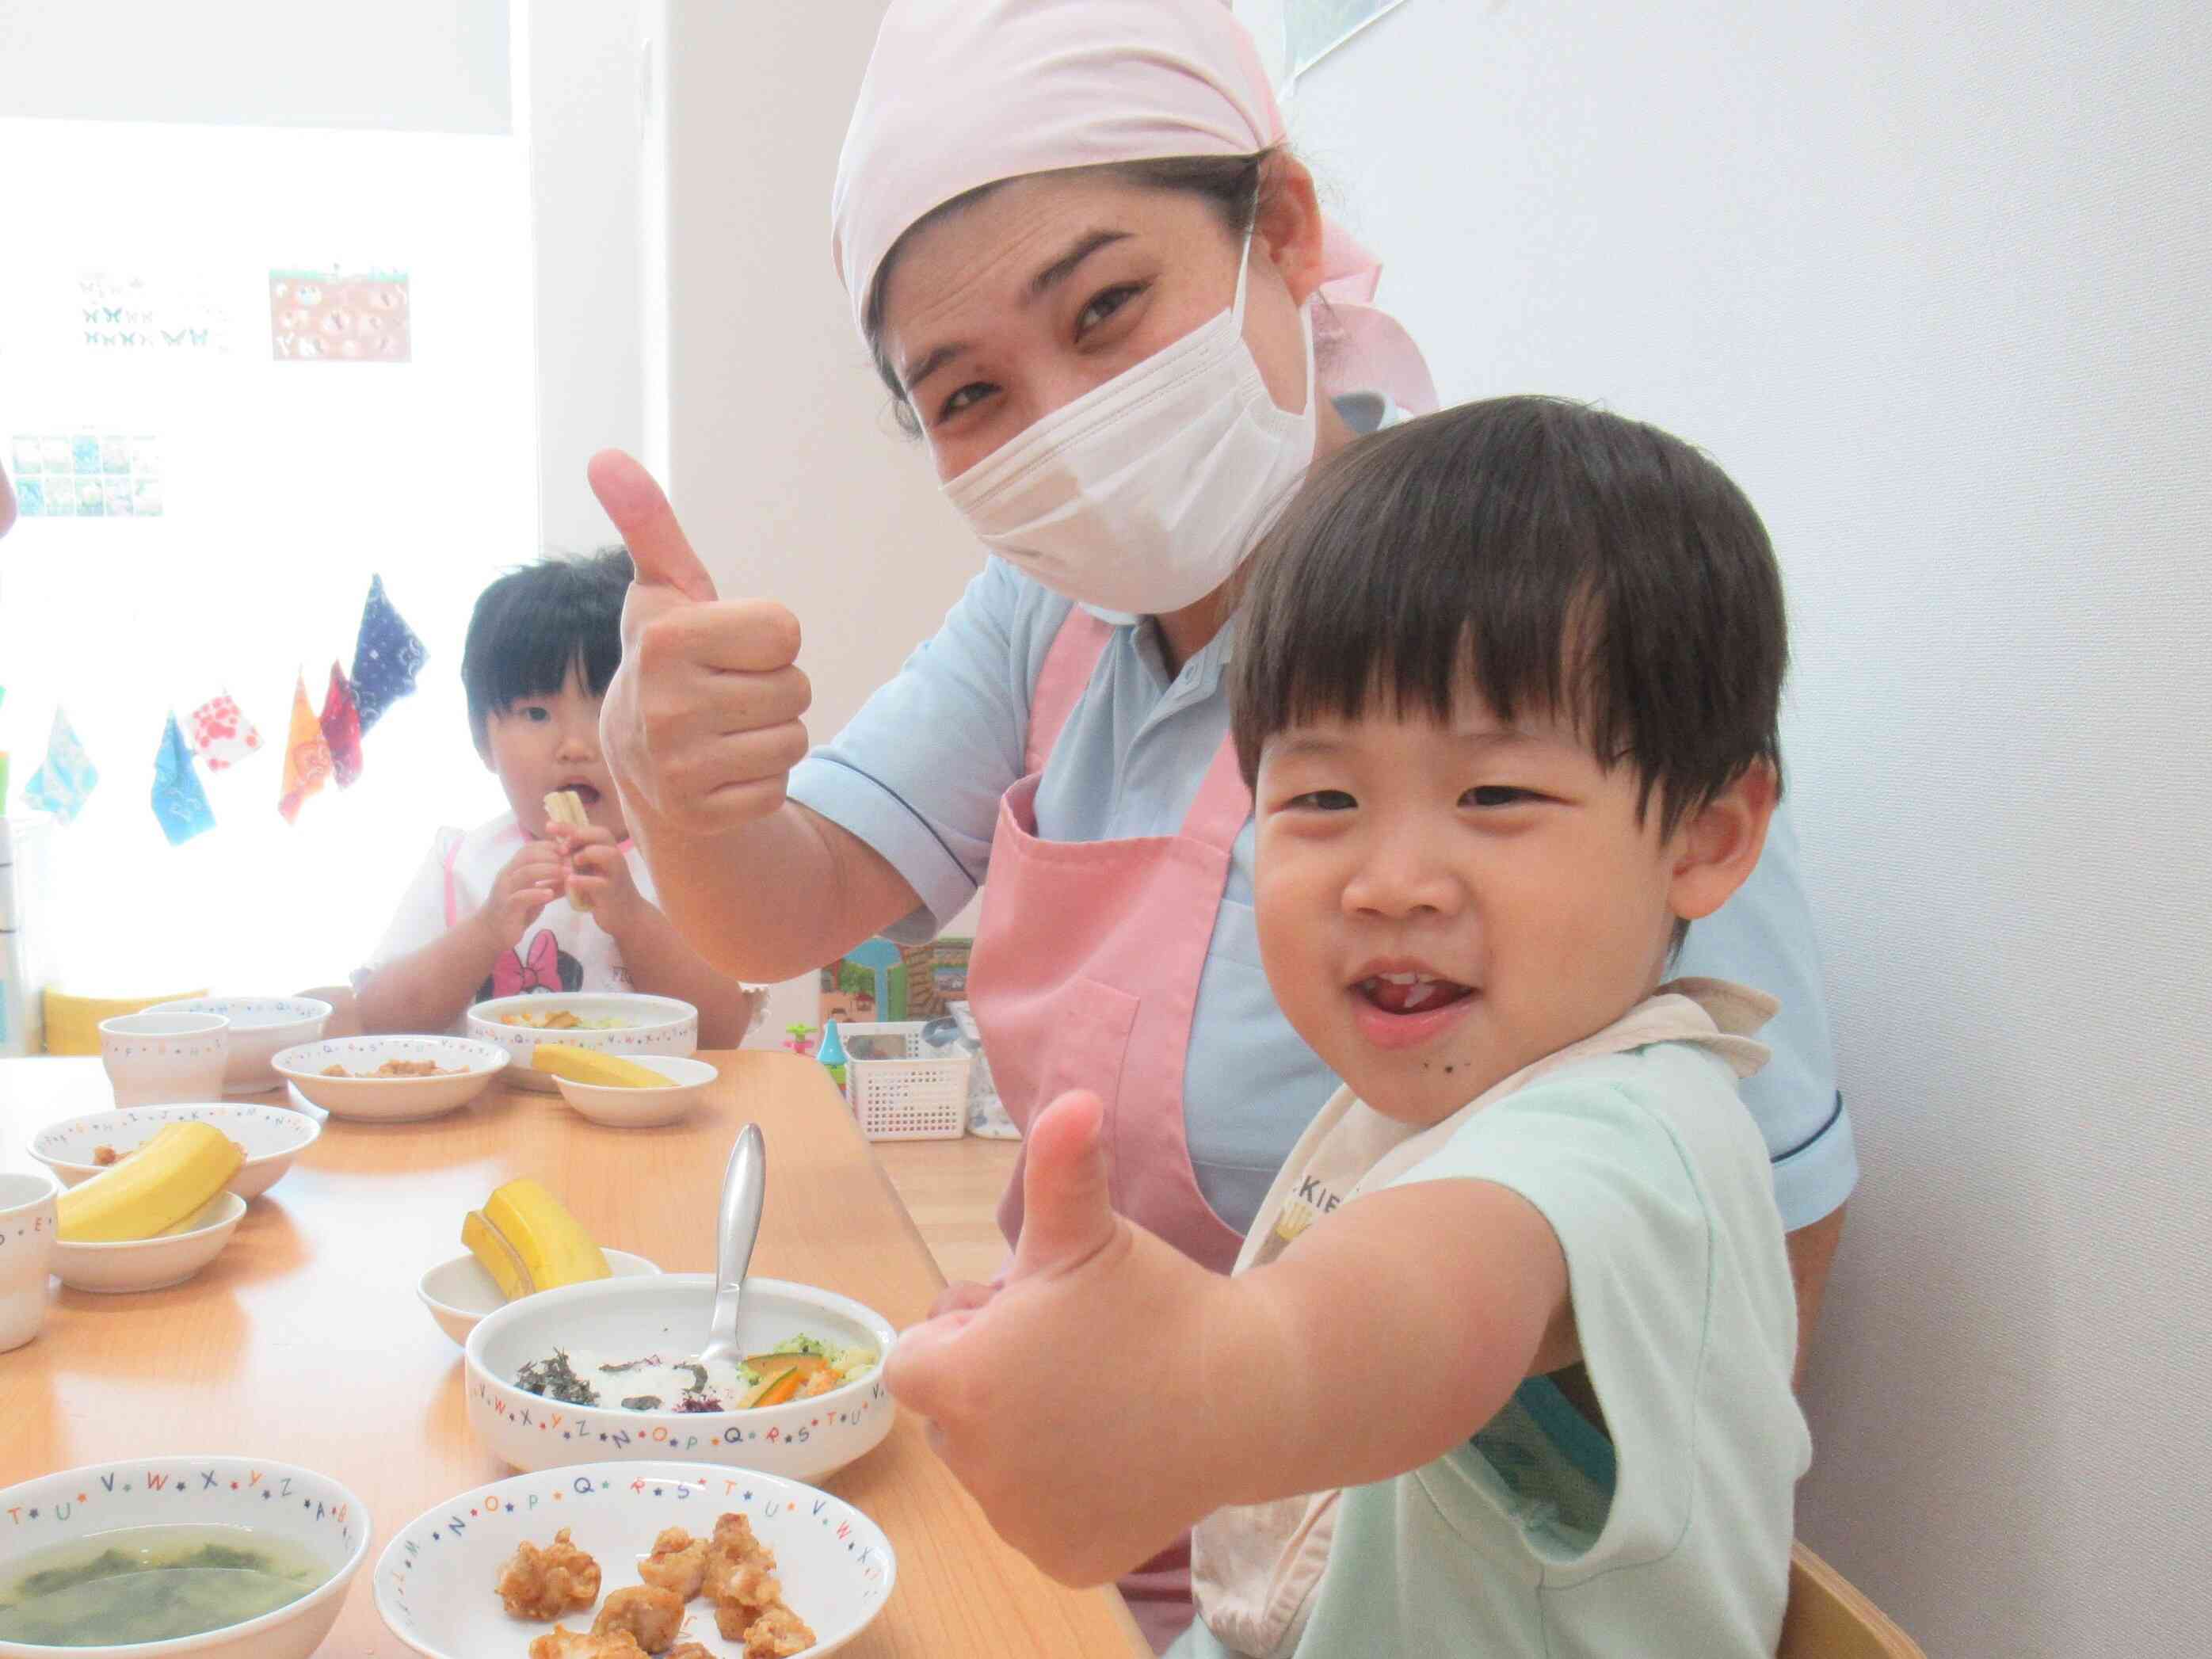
(1067, 1212)
(656, 543)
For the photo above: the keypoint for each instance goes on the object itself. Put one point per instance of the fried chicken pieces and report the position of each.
(566, 1643)
(649, 1616)
(740, 1580)
(544, 1584)
(677, 1564)
(733, 1569)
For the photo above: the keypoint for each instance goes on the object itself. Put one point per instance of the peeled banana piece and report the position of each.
(528, 1240)
(590, 1066)
(167, 1180)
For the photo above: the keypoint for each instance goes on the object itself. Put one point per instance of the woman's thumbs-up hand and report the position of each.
(1074, 1404)
(702, 722)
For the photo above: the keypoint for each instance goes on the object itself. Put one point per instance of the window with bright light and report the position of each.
(243, 372)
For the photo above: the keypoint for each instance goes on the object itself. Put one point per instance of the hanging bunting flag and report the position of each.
(387, 657)
(221, 735)
(307, 756)
(180, 803)
(68, 777)
(341, 725)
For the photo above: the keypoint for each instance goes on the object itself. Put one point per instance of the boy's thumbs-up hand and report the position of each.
(702, 722)
(1072, 1405)
(1067, 1210)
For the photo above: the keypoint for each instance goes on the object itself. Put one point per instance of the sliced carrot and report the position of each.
(767, 1363)
(782, 1389)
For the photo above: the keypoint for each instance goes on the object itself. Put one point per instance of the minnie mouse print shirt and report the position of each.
(564, 949)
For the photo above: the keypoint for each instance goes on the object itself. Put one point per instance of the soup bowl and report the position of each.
(289, 1506)
(668, 1314)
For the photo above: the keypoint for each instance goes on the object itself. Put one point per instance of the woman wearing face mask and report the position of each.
(1094, 281)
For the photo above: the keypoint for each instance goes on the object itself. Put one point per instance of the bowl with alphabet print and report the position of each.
(633, 1026)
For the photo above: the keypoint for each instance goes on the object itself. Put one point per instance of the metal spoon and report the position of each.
(745, 1184)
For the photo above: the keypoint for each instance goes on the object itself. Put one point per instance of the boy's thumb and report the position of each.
(656, 543)
(1067, 1212)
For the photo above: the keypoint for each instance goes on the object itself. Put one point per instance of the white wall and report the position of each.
(415, 65)
(1932, 282)
(583, 106)
(783, 462)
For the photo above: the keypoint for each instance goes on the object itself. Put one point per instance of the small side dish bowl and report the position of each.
(459, 1293)
(434, 1581)
(373, 1099)
(802, 1439)
(259, 1026)
(272, 1136)
(649, 1025)
(150, 1264)
(287, 1506)
(642, 1109)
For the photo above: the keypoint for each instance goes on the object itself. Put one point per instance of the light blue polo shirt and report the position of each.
(919, 773)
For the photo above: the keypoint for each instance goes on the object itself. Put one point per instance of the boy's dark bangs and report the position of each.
(1492, 548)
(1469, 600)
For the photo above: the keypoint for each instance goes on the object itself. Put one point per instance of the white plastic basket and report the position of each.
(923, 1098)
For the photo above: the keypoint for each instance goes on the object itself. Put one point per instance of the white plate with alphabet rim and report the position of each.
(434, 1583)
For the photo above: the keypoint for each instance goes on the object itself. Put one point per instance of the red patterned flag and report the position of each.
(306, 755)
(221, 735)
(341, 725)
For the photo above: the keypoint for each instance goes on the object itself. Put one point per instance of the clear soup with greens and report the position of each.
(151, 1584)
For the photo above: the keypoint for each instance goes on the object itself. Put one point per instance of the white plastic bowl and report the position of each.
(643, 1108)
(802, 1439)
(272, 1136)
(434, 1581)
(390, 1099)
(150, 1264)
(656, 1025)
(259, 1026)
(461, 1293)
(276, 1499)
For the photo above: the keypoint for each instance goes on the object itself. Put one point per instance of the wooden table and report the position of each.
(304, 1342)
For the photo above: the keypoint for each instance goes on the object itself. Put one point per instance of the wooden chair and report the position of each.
(1828, 1618)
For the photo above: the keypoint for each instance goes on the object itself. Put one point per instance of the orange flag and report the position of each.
(306, 755)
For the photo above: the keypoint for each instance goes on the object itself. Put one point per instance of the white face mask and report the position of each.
(1144, 494)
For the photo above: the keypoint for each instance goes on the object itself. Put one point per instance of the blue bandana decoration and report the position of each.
(387, 657)
(67, 778)
(179, 801)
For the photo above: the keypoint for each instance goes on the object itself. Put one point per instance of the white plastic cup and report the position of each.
(163, 1059)
(26, 1252)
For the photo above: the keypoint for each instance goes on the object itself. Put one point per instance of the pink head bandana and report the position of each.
(964, 93)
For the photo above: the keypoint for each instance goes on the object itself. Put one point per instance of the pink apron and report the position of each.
(1085, 975)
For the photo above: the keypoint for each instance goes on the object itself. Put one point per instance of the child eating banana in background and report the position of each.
(1505, 1366)
(525, 903)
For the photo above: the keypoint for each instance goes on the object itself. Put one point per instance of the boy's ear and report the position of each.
(1717, 847)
